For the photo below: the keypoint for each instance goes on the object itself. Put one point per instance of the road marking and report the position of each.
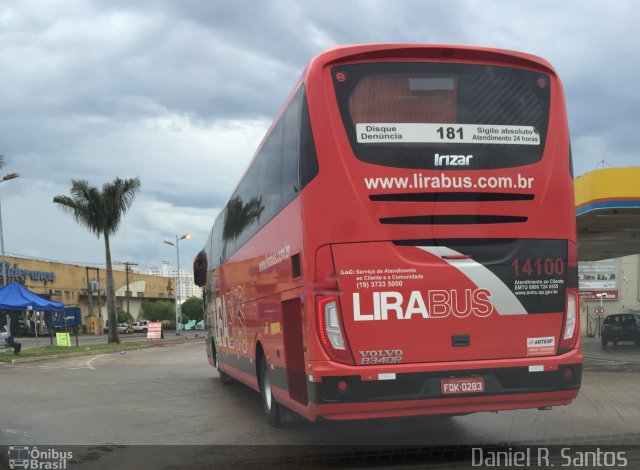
(90, 361)
(48, 367)
(83, 365)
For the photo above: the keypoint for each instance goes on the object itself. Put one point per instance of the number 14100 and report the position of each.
(538, 267)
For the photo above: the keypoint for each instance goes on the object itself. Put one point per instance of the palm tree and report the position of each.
(101, 212)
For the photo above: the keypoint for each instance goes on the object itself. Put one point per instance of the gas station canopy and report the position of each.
(608, 213)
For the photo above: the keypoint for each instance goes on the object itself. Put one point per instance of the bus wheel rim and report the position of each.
(267, 389)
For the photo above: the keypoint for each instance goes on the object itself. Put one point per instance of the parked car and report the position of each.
(124, 328)
(140, 326)
(621, 327)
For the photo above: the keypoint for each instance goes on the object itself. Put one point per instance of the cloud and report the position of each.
(187, 171)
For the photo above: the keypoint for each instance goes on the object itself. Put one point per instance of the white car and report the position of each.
(141, 326)
(4, 334)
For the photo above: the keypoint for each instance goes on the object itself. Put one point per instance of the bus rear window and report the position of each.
(412, 115)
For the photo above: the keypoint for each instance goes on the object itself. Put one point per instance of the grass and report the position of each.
(8, 356)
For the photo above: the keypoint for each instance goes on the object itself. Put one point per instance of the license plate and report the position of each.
(462, 385)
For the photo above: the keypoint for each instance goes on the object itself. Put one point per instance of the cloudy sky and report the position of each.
(179, 93)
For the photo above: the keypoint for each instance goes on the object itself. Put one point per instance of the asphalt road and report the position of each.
(170, 396)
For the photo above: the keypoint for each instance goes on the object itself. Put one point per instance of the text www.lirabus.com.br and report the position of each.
(443, 181)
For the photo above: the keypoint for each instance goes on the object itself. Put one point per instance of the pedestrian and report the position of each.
(9, 342)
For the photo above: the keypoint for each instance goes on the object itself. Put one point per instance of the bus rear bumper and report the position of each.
(408, 391)
(444, 406)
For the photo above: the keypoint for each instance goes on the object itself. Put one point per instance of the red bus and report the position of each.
(403, 242)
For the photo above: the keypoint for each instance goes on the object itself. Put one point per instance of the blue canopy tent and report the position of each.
(15, 296)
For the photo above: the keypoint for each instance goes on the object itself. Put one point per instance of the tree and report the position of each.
(101, 211)
(158, 311)
(192, 308)
(124, 316)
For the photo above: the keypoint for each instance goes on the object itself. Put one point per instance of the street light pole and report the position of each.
(601, 296)
(177, 244)
(10, 176)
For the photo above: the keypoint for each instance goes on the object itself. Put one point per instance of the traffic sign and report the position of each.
(599, 310)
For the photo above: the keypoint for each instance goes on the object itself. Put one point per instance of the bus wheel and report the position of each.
(271, 406)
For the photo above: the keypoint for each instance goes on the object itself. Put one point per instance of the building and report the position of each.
(186, 286)
(85, 287)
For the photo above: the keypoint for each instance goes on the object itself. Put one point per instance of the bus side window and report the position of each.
(270, 169)
(308, 156)
(290, 146)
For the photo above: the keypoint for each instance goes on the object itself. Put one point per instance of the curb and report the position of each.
(161, 343)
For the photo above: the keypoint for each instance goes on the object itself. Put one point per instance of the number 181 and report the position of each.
(450, 132)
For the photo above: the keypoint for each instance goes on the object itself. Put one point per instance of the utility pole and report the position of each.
(90, 289)
(127, 268)
(89, 293)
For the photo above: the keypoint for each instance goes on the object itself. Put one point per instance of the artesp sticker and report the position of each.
(541, 346)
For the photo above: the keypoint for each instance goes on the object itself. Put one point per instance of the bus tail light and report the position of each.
(570, 327)
(330, 330)
(328, 316)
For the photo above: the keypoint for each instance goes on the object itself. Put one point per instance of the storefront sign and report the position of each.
(593, 294)
(16, 273)
(598, 277)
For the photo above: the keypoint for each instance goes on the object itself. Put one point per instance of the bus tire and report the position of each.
(271, 406)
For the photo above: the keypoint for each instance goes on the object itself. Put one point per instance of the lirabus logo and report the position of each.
(431, 304)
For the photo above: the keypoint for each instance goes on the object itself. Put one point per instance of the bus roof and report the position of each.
(439, 52)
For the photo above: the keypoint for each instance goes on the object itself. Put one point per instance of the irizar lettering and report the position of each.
(430, 304)
(451, 160)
